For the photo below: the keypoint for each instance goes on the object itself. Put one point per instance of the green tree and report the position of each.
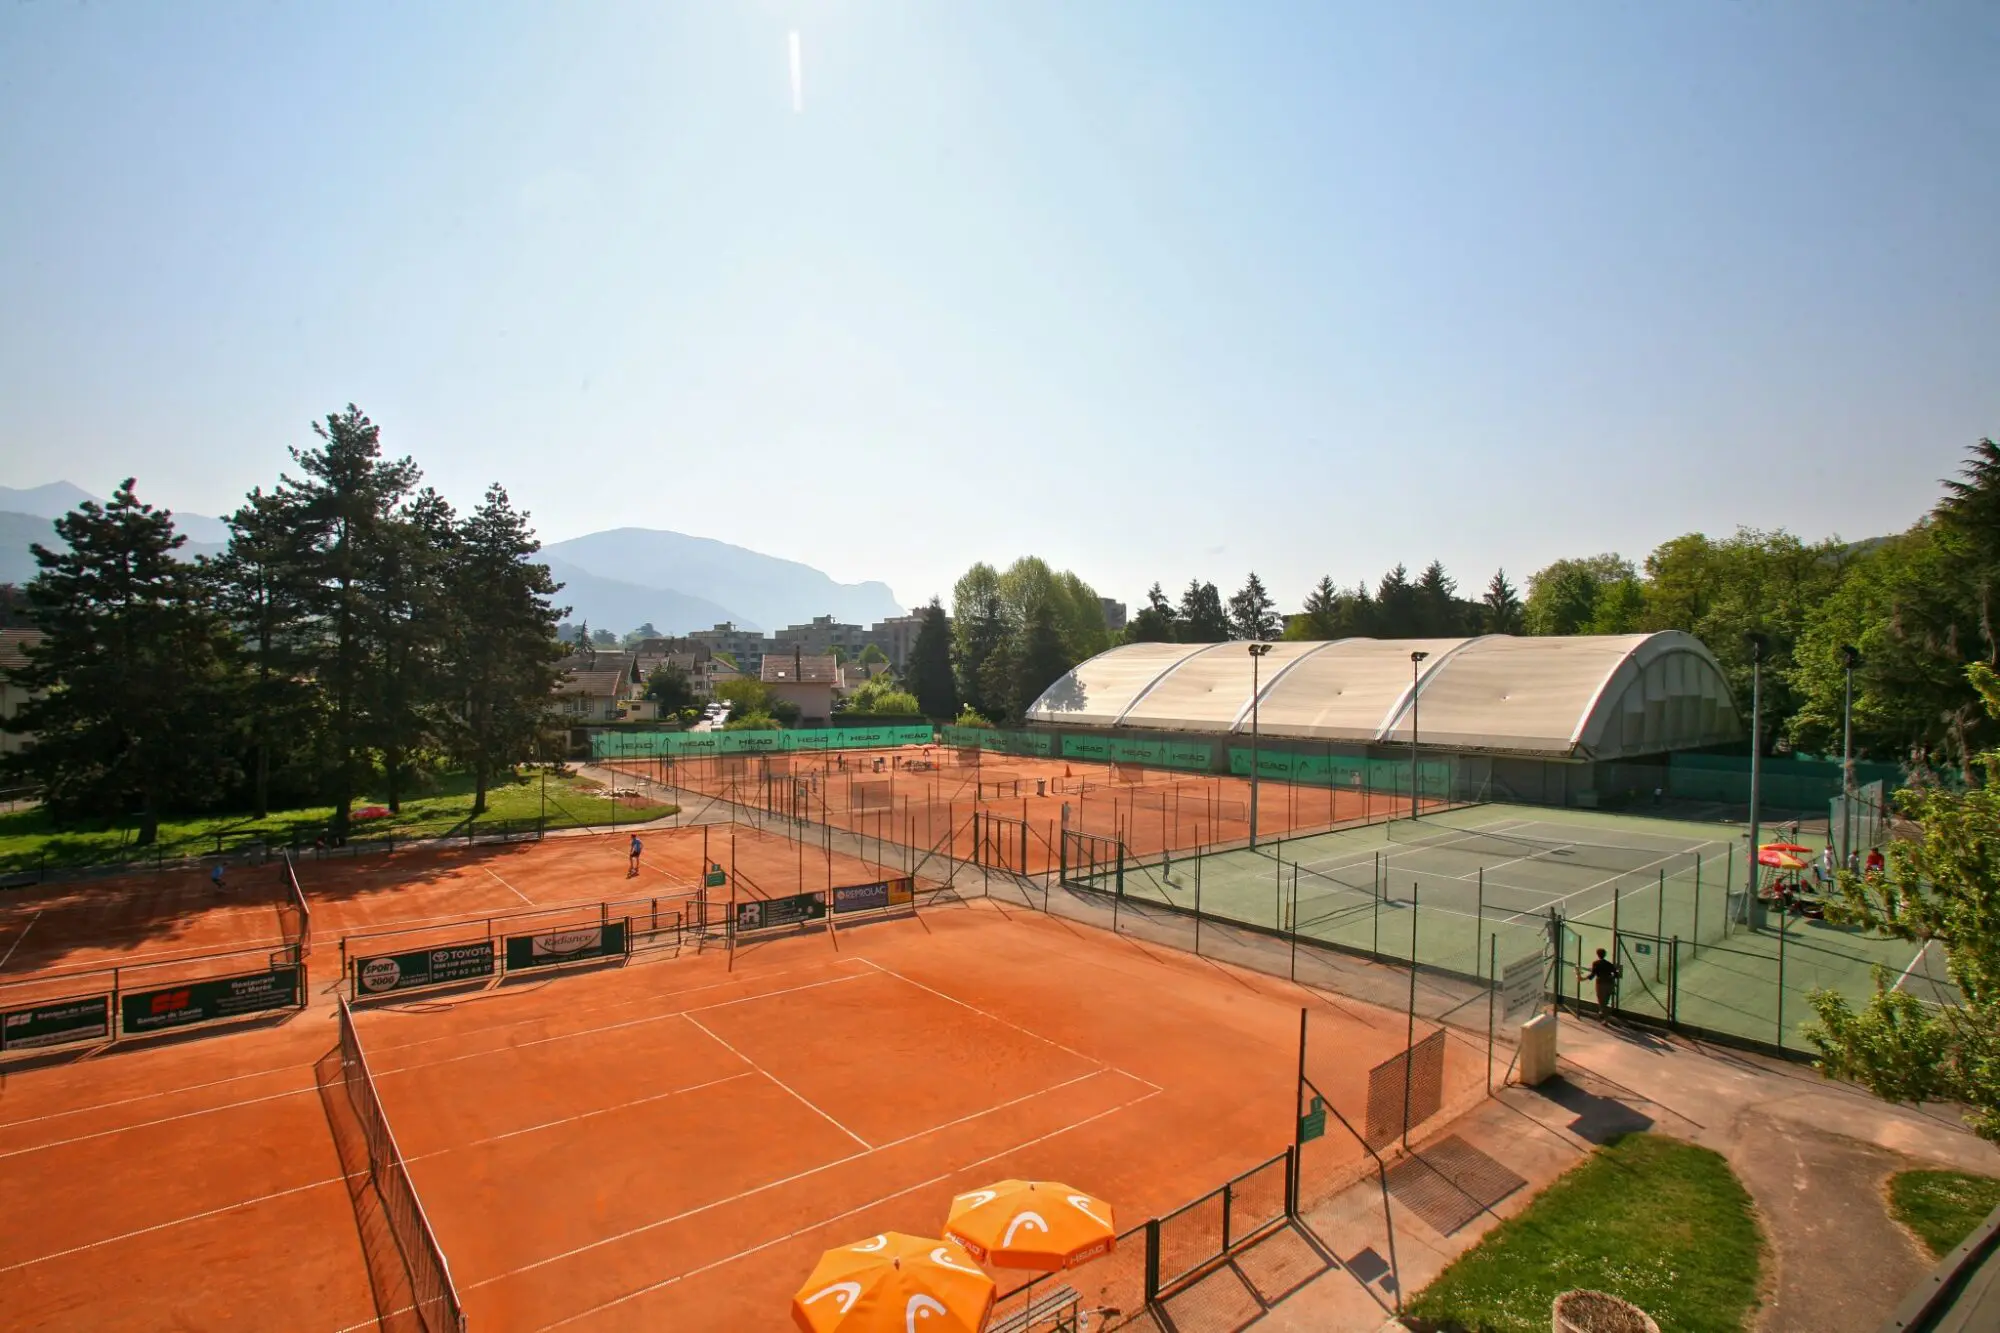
(346, 503)
(979, 630)
(929, 669)
(1562, 597)
(1042, 659)
(1620, 608)
(1944, 887)
(1396, 608)
(135, 691)
(872, 655)
(1252, 613)
(1155, 621)
(258, 589)
(672, 688)
(1320, 619)
(502, 661)
(603, 638)
(879, 697)
(410, 616)
(1500, 609)
(1436, 598)
(634, 637)
(1201, 618)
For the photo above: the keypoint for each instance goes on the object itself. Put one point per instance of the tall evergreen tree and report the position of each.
(133, 694)
(1155, 621)
(502, 648)
(259, 589)
(1202, 619)
(346, 502)
(1501, 607)
(928, 670)
(1252, 613)
(1436, 603)
(1396, 613)
(1040, 661)
(410, 613)
(1320, 619)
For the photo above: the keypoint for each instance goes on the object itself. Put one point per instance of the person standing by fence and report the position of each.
(1604, 974)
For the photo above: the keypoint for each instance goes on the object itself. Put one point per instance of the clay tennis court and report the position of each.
(927, 797)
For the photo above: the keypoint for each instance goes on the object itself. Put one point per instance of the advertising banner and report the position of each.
(209, 999)
(383, 973)
(566, 946)
(86, 1018)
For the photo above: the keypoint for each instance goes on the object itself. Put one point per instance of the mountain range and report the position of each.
(616, 580)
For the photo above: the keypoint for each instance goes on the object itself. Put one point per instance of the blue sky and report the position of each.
(1153, 290)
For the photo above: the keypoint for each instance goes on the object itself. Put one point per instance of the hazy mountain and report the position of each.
(59, 497)
(618, 606)
(17, 562)
(762, 588)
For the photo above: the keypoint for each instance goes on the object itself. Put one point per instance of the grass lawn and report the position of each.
(29, 839)
(1942, 1207)
(1661, 1223)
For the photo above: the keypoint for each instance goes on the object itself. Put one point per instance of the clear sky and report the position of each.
(1152, 289)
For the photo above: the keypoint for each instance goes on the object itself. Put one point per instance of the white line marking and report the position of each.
(604, 1110)
(780, 1082)
(795, 1177)
(17, 940)
(767, 995)
(1005, 1022)
(1914, 963)
(148, 1124)
(511, 889)
(192, 1217)
(859, 1208)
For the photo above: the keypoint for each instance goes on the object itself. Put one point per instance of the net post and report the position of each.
(1410, 1039)
(1152, 1259)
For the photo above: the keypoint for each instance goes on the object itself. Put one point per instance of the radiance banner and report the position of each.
(87, 1018)
(381, 974)
(567, 946)
(204, 1001)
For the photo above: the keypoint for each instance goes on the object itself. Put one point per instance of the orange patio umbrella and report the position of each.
(1791, 847)
(1032, 1224)
(891, 1283)
(1771, 856)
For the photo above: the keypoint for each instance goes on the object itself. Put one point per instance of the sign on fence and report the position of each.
(865, 897)
(87, 1018)
(768, 913)
(1522, 985)
(383, 973)
(567, 946)
(203, 1001)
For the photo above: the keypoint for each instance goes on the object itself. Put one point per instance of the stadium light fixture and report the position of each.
(1257, 651)
(1416, 671)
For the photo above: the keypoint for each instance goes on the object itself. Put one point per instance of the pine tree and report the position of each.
(1322, 609)
(1201, 618)
(410, 610)
(501, 653)
(259, 590)
(346, 502)
(985, 669)
(1501, 607)
(134, 693)
(1252, 613)
(1436, 603)
(1155, 622)
(1396, 613)
(929, 667)
(1041, 659)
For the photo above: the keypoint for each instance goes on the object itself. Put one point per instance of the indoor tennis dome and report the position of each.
(1583, 698)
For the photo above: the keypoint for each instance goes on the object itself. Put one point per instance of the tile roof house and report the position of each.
(13, 657)
(805, 681)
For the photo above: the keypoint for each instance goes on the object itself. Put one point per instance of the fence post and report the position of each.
(1197, 910)
(1152, 1259)
(1478, 919)
(1294, 923)
(1228, 1195)
(1697, 905)
(1492, 984)
(1659, 922)
(1410, 1038)
(1784, 922)
(1674, 985)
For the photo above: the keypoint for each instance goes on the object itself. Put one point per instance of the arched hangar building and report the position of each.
(1579, 720)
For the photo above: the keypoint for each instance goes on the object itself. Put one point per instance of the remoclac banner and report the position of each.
(212, 998)
(86, 1018)
(382, 973)
(867, 897)
(567, 946)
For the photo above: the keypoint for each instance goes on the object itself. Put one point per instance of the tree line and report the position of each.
(356, 626)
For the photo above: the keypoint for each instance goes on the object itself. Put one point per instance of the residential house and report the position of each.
(13, 658)
(805, 682)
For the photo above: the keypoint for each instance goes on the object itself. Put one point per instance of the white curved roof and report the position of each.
(1587, 697)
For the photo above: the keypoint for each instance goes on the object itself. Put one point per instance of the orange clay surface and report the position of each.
(665, 1145)
(932, 806)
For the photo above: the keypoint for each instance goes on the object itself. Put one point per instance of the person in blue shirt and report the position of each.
(632, 867)
(215, 877)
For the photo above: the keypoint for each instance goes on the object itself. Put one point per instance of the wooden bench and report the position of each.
(1058, 1309)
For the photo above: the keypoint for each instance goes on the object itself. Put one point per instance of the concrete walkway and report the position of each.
(1815, 1157)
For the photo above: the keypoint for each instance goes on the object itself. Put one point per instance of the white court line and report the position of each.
(1004, 1022)
(766, 995)
(602, 1110)
(511, 889)
(178, 1221)
(148, 1124)
(794, 1178)
(17, 940)
(146, 1097)
(780, 1082)
(1914, 962)
(859, 1208)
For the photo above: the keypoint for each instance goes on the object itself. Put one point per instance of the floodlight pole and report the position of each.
(1257, 651)
(1755, 644)
(1850, 658)
(1416, 672)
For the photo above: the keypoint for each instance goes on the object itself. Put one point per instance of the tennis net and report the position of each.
(1616, 857)
(432, 1292)
(296, 915)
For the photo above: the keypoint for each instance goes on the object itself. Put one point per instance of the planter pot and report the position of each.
(1596, 1312)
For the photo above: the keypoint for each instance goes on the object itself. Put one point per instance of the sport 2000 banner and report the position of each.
(383, 973)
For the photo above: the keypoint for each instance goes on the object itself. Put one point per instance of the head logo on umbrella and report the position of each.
(1031, 1224)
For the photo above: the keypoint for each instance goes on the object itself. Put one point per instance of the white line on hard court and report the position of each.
(1914, 964)
(859, 1208)
(511, 889)
(803, 1101)
(17, 940)
(794, 1178)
